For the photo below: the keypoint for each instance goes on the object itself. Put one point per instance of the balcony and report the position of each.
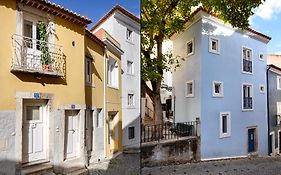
(247, 66)
(28, 57)
(247, 103)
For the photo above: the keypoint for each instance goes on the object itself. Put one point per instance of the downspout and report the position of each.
(105, 99)
(268, 125)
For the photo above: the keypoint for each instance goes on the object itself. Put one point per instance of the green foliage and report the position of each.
(43, 37)
(161, 18)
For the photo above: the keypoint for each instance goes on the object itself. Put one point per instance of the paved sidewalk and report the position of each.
(256, 166)
(124, 164)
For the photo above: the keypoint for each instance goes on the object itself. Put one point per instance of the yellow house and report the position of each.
(113, 107)
(42, 99)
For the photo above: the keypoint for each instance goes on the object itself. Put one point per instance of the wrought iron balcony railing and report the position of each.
(247, 66)
(28, 57)
(247, 103)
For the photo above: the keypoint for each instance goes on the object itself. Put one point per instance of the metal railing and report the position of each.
(27, 56)
(167, 131)
(247, 103)
(247, 66)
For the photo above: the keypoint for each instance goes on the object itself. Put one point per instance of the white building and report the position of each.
(125, 28)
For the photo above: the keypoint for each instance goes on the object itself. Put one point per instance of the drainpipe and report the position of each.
(104, 97)
(268, 124)
(174, 96)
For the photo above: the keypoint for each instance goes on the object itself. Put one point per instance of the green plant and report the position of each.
(43, 37)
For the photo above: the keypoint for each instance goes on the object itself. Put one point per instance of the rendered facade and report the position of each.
(222, 82)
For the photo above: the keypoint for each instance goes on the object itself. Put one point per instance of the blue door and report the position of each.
(251, 140)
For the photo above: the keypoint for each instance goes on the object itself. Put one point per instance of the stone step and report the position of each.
(83, 171)
(40, 169)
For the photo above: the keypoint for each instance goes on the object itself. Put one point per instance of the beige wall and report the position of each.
(274, 59)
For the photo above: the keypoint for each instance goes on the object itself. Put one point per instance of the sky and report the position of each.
(267, 17)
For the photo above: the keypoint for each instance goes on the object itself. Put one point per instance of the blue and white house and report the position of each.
(223, 83)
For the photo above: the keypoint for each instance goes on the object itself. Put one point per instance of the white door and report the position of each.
(72, 131)
(34, 131)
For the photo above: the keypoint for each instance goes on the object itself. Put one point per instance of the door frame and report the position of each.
(278, 140)
(272, 134)
(255, 143)
(18, 135)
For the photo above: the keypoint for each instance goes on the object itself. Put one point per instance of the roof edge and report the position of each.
(94, 38)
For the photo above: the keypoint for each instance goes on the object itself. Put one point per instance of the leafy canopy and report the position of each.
(161, 18)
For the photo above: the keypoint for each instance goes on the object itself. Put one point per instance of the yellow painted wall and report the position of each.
(114, 103)
(66, 91)
(94, 95)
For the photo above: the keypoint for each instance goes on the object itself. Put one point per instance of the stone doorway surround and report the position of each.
(20, 97)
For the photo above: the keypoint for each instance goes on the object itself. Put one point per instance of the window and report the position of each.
(190, 47)
(225, 124)
(261, 56)
(130, 99)
(129, 35)
(130, 68)
(214, 45)
(217, 89)
(88, 70)
(190, 88)
(262, 89)
(112, 76)
(131, 133)
(99, 119)
(247, 60)
(278, 82)
(32, 113)
(247, 94)
(278, 111)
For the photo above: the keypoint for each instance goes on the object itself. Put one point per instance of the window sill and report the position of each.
(130, 42)
(247, 110)
(129, 74)
(113, 87)
(214, 52)
(131, 107)
(218, 96)
(224, 136)
(190, 54)
(249, 73)
(189, 96)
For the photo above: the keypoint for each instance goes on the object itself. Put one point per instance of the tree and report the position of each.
(162, 18)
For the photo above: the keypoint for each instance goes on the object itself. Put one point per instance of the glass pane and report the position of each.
(224, 124)
(32, 113)
(217, 88)
(214, 45)
(27, 32)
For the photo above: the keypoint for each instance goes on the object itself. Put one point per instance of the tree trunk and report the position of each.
(158, 113)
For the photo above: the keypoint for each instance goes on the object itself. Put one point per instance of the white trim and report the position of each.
(278, 85)
(272, 142)
(221, 89)
(228, 133)
(193, 49)
(262, 59)
(250, 73)
(212, 38)
(189, 82)
(252, 95)
(261, 85)
(223, 158)
(133, 139)
(133, 105)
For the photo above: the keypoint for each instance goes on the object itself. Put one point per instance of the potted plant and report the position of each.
(46, 59)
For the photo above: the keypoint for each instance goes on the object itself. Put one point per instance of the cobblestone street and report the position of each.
(257, 166)
(124, 164)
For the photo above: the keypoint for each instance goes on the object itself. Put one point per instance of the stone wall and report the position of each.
(167, 152)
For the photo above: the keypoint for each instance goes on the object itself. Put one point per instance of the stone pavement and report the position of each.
(247, 166)
(124, 164)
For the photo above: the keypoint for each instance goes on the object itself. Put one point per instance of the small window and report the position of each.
(190, 88)
(278, 82)
(262, 89)
(261, 56)
(130, 68)
(129, 34)
(88, 70)
(190, 47)
(131, 133)
(214, 45)
(217, 89)
(130, 99)
(247, 63)
(113, 73)
(247, 95)
(225, 124)
(32, 113)
(99, 119)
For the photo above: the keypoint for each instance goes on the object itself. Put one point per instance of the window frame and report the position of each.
(228, 121)
(133, 100)
(130, 39)
(132, 68)
(211, 39)
(186, 88)
(261, 53)
(260, 86)
(129, 134)
(217, 94)
(90, 81)
(193, 47)
(112, 79)
(252, 96)
(278, 82)
(242, 58)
